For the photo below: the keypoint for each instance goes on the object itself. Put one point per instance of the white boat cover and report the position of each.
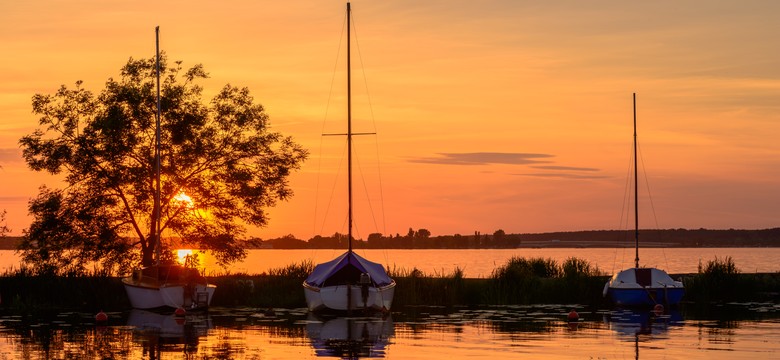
(324, 271)
(643, 277)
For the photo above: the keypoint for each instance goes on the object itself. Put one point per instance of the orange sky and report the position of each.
(512, 115)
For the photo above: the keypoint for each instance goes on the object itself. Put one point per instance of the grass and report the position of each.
(518, 281)
(720, 280)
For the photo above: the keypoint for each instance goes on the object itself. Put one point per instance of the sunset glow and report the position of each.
(182, 254)
(512, 115)
(183, 199)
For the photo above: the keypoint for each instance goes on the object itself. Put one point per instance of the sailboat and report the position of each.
(640, 286)
(349, 282)
(171, 285)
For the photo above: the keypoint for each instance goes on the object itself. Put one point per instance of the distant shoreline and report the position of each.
(668, 238)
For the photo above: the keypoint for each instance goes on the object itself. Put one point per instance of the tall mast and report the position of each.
(157, 214)
(349, 126)
(636, 194)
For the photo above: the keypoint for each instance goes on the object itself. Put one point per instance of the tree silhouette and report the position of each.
(221, 168)
(3, 225)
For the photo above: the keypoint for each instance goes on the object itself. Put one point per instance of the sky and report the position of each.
(499, 114)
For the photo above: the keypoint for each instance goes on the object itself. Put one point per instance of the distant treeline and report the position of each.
(422, 239)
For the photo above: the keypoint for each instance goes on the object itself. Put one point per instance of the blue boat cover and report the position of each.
(324, 271)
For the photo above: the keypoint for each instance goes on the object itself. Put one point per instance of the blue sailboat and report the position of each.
(640, 286)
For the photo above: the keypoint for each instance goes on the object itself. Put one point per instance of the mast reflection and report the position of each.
(349, 337)
(161, 332)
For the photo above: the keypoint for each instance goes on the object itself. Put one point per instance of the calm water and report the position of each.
(731, 331)
(735, 331)
(480, 263)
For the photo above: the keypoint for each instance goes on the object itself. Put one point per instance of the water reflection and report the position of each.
(349, 337)
(541, 331)
(166, 332)
(642, 325)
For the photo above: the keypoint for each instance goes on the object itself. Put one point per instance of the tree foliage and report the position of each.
(3, 225)
(222, 155)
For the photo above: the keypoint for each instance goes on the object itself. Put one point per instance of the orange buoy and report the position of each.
(101, 317)
(573, 316)
(180, 312)
(658, 309)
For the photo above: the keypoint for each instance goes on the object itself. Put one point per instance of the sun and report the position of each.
(182, 254)
(183, 199)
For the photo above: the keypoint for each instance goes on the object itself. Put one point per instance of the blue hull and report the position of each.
(646, 297)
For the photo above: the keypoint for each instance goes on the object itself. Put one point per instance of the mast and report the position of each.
(157, 215)
(349, 126)
(636, 195)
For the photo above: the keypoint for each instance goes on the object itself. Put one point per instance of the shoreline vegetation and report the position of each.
(422, 239)
(519, 281)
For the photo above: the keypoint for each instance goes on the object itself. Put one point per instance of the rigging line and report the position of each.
(322, 132)
(373, 120)
(365, 188)
(624, 211)
(333, 190)
(652, 205)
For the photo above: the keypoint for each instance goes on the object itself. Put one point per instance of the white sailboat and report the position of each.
(172, 284)
(640, 286)
(349, 282)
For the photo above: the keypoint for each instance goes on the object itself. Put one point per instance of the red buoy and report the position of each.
(658, 309)
(180, 312)
(573, 316)
(101, 317)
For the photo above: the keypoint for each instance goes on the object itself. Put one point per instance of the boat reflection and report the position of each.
(349, 337)
(642, 325)
(629, 322)
(166, 332)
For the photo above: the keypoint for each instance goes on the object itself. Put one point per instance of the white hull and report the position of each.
(143, 297)
(168, 286)
(335, 298)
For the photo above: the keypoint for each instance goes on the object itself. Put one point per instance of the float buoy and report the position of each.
(101, 317)
(180, 312)
(573, 316)
(658, 309)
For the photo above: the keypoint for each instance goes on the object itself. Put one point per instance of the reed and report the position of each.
(720, 280)
(414, 287)
(518, 281)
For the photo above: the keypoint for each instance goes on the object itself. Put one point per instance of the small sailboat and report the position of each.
(640, 286)
(349, 282)
(170, 284)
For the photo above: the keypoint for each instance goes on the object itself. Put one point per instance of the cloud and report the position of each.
(485, 158)
(564, 175)
(531, 159)
(570, 168)
(10, 155)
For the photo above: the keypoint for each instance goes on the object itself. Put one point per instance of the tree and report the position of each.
(3, 225)
(221, 167)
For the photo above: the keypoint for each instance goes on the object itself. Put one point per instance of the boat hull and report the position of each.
(644, 287)
(171, 286)
(646, 296)
(349, 297)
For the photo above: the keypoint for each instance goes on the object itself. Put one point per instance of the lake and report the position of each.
(480, 263)
(732, 331)
(695, 331)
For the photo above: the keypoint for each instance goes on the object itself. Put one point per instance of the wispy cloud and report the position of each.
(564, 175)
(564, 168)
(10, 155)
(485, 158)
(539, 161)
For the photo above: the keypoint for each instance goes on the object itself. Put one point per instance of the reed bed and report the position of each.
(518, 281)
(720, 280)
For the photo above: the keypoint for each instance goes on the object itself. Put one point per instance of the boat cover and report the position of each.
(324, 271)
(642, 278)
